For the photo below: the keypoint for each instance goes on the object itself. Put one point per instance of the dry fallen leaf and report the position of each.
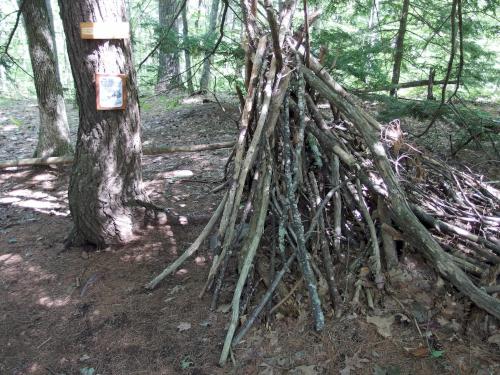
(353, 363)
(265, 369)
(304, 370)
(495, 339)
(383, 324)
(184, 326)
(176, 289)
(421, 352)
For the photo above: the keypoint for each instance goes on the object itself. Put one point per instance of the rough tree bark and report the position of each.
(169, 66)
(106, 180)
(398, 53)
(53, 134)
(205, 74)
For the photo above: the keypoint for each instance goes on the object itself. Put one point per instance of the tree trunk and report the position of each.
(187, 54)
(373, 22)
(3, 79)
(53, 134)
(53, 33)
(205, 74)
(169, 66)
(398, 54)
(106, 180)
(430, 86)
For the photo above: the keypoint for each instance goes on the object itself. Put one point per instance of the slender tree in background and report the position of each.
(212, 24)
(169, 66)
(373, 21)
(3, 78)
(106, 180)
(398, 53)
(52, 29)
(53, 134)
(187, 53)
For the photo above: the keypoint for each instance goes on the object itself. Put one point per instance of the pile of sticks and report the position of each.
(328, 191)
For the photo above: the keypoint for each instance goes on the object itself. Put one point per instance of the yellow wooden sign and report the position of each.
(104, 30)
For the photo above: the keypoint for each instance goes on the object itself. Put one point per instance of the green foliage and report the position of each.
(360, 42)
(186, 363)
(359, 38)
(437, 353)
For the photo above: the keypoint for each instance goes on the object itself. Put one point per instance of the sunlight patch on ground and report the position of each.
(182, 272)
(36, 200)
(196, 99)
(180, 173)
(145, 253)
(171, 239)
(9, 128)
(20, 175)
(44, 177)
(53, 302)
(15, 267)
(34, 368)
(38, 205)
(200, 260)
(27, 193)
(10, 259)
(9, 200)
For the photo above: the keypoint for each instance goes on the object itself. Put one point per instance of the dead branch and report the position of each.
(158, 150)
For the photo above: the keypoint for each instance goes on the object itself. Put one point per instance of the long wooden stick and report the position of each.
(404, 85)
(62, 160)
(298, 227)
(379, 278)
(250, 248)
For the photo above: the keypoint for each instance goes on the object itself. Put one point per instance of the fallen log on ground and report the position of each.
(405, 85)
(149, 151)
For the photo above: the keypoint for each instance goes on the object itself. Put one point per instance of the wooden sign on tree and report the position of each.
(104, 30)
(110, 91)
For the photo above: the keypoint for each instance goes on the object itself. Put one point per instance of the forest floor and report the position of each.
(83, 311)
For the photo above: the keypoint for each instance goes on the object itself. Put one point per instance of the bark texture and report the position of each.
(168, 65)
(205, 74)
(398, 53)
(106, 179)
(53, 134)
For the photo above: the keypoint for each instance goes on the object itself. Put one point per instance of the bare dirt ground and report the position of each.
(86, 312)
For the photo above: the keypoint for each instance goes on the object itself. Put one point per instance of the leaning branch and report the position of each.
(423, 82)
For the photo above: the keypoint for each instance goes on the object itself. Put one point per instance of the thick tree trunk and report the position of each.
(169, 66)
(106, 180)
(187, 54)
(398, 53)
(53, 134)
(205, 74)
